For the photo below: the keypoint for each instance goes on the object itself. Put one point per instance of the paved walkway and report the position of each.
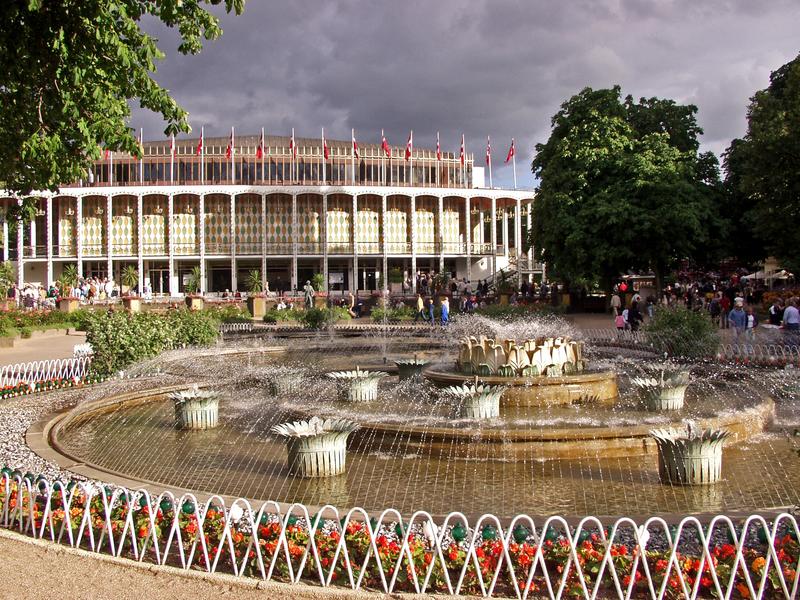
(41, 348)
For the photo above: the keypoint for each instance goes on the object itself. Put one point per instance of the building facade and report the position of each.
(282, 209)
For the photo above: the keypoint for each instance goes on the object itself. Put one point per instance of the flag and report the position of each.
(488, 150)
(385, 145)
(355, 145)
(229, 148)
(410, 145)
(260, 149)
(511, 151)
(292, 146)
(438, 148)
(108, 154)
(200, 143)
(325, 152)
(461, 154)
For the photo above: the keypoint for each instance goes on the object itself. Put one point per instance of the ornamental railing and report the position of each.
(235, 328)
(45, 370)
(523, 557)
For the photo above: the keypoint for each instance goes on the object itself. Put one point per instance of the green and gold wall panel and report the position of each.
(278, 226)
(451, 225)
(93, 226)
(154, 225)
(396, 233)
(425, 223)
(185, 224)
(368, 225)
(249, 231)
(123, 226)
(218, 224)
(66, 226)
(309, 223)
(338, 222)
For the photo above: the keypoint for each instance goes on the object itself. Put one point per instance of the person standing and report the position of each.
(308, 294)
(635, 316)
(420, 308)
(750, 327)
(791, 321)
(776, 312)
(430, 310)
(616, 303)
(738, 319)
(445, 310)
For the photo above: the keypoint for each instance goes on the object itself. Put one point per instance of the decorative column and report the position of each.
(109, 238)
(505, 234)
(5, 240)
(32, 233)
(412, 217)
(493, 235)
(385, 266)
(293, 274)
(440, 236)
(140, 243)
(49, 235)
(79, 233)
(355, 243)
(173, 280)
(234, 274)
(263, 242)
(324, 238)
(468, 236)
(202, 209)
(528, 233)
(20, 253)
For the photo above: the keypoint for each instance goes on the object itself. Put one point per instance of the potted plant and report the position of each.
(256, 301)
(69, 277)
(194, 300)
(396, 280)
(6, 281)
(321, 295)
(130, 279)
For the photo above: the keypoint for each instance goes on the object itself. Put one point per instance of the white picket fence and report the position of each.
(45, 370)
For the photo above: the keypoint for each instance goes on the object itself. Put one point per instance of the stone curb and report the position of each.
(224, 579)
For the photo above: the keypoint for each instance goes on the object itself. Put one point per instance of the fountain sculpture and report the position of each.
(476, 401)
(195, 408)
(688, 458)
(316, 447)
(358, 385)
(666, 391)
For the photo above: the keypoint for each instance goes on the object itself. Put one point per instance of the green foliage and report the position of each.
(194, 280)
(69, 275)
(228, 313)
(6, 278)
(318, 282)
(395, 275)
(323, 318)
(506, 282)
(25, 332)
(276, 316)
(763, 168)
(682, 333)
(622, 187)
(130, 277)
(120, 339)
(253, 282)
(71, 71)
(405, 313)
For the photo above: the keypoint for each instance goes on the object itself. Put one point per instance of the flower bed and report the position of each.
(747, 560)
(23, 388)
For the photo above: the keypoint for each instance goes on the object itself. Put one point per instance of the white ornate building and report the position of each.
(352, 219)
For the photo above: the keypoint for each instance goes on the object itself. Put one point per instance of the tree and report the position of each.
(763, 168)
(622, 187)
(69, 70)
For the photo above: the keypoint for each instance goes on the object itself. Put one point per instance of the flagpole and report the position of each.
(202, 155)
(172, 160)
(383, 155)
(324, 178)
(489, 158)
(263, 149)
(411, 158)
(233, 159)
(514, 165)
(111, 168)
(352, 157)
(141, 155)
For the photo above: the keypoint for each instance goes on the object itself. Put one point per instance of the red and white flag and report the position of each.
(355, 144)
(325, 152)
(260, 149)
(511, 151)
(410, 145)
(292, 146)
(229, 148)
(438, 148)
(200, 143)
(108, 154)
(385, 145)
(488, 150)
(461, 154)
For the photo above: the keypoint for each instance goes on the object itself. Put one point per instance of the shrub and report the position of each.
(322, 318)
(120, 339)
(405, 313)
(275, 316)
(228, 313)
(683, 333)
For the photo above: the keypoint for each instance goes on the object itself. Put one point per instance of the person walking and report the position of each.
(776, 312)
(635, 316)
(420, 309)
(430, 310)
(750, 325)
(445, 310)
(791, 322)
(738, 319)
(616, 304)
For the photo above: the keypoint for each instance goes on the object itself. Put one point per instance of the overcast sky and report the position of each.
(481, 67)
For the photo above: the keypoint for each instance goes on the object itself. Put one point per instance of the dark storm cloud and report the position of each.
(497, 67)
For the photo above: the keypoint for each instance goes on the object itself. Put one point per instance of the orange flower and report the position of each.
(742, 588)
(758, 563)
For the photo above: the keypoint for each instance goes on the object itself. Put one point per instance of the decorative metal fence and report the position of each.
(235, 328)
(721, 558)
(45, 370)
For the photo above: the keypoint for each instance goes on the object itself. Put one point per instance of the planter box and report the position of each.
(504, 298)
(320, 301)
(132, 303)
(68, 305)
(257, 305)
(194, 302)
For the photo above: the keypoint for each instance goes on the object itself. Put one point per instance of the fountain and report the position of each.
(285, 379)
(409, 368)
(667, 391)
(536, 372)
(687, 458)
(316, 447)
(476, 401)
(195, 408)
(358, 385)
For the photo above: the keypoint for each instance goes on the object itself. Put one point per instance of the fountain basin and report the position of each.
(542, 391)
